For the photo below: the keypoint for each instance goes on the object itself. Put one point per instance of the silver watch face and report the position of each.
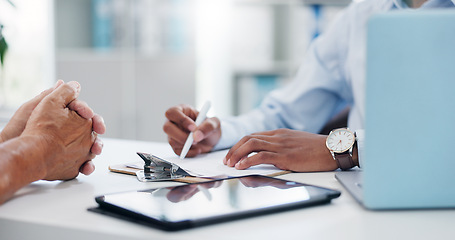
(340, 140)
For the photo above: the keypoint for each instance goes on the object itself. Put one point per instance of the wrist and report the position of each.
(22, 163)
(329, 163)
(34, 152)
(341, 142)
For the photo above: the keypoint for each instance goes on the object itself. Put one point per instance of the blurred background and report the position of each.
(136, 58)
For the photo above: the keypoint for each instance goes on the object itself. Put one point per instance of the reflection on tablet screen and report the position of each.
(211, 200)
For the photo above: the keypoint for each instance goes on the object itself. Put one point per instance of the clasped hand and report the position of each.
(65, 127)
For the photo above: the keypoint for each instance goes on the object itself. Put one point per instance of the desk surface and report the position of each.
(58, 210)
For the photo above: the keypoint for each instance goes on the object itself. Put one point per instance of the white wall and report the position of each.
(132, 87)
(129, 83)
(29, 62)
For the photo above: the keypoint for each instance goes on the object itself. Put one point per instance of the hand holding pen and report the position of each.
(181, 122)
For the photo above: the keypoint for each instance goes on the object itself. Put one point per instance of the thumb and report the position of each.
(65, 93)
(37, 99)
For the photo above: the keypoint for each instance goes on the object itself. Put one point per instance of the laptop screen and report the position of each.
(410, 110)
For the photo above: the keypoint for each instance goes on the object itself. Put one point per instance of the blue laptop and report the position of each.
(410, 113)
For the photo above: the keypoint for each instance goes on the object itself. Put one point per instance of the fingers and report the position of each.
(176, 134)
(17, 123)
(58, 83)
(177, 147)
(247, 145)
(179, 118)
(204, 137)
(70, 120)
(97, 146)
(70, 92)
(204, 130)
(98, 124)
(81, 108)
(37, 99)
(182, 116)
(86, 112)
(87, 168)
(30, 105)
(180, 122)
(263, 157)
(65, 93)
(182, 193)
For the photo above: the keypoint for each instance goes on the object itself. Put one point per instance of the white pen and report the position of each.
(201, 117)
(205, 191)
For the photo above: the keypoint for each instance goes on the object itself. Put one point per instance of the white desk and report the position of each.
(58, 210)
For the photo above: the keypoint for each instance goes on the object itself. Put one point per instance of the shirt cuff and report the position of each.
(228, 136)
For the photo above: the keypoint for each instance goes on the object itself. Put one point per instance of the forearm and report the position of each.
(21, 162)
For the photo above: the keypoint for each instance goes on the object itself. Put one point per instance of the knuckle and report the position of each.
(246, 138)
(257, 158)
(183, 122)
(260, 155)
(253, 142)
(213, 123)
(166, 127)
(67, 88)
(169, 112)
(235, 155)
(281, 130)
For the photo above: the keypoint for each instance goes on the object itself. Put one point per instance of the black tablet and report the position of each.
(211, 202)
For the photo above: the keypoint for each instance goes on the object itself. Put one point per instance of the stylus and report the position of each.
(201, 117)
(205, 191)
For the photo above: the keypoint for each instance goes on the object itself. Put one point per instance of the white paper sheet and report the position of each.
(211, 165)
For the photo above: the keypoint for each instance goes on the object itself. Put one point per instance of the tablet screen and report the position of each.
(199, 203)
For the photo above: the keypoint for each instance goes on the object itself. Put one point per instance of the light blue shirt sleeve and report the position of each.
(317, 93)
(331, 76)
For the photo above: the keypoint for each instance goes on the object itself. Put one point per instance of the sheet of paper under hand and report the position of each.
(211, 164)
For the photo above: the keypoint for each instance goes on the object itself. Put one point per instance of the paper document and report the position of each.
(211, 165)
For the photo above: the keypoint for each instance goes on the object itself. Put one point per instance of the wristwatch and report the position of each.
(340, 143)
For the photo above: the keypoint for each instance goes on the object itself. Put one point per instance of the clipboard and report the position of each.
(157, 169)
(156, 165)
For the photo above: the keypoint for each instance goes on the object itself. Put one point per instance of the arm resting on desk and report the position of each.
(19, 167)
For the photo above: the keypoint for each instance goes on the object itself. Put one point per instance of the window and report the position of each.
(29, 61)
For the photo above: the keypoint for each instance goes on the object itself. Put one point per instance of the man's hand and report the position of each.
(179, 124)
(65, 138)
(17, 124)
(286, 149)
